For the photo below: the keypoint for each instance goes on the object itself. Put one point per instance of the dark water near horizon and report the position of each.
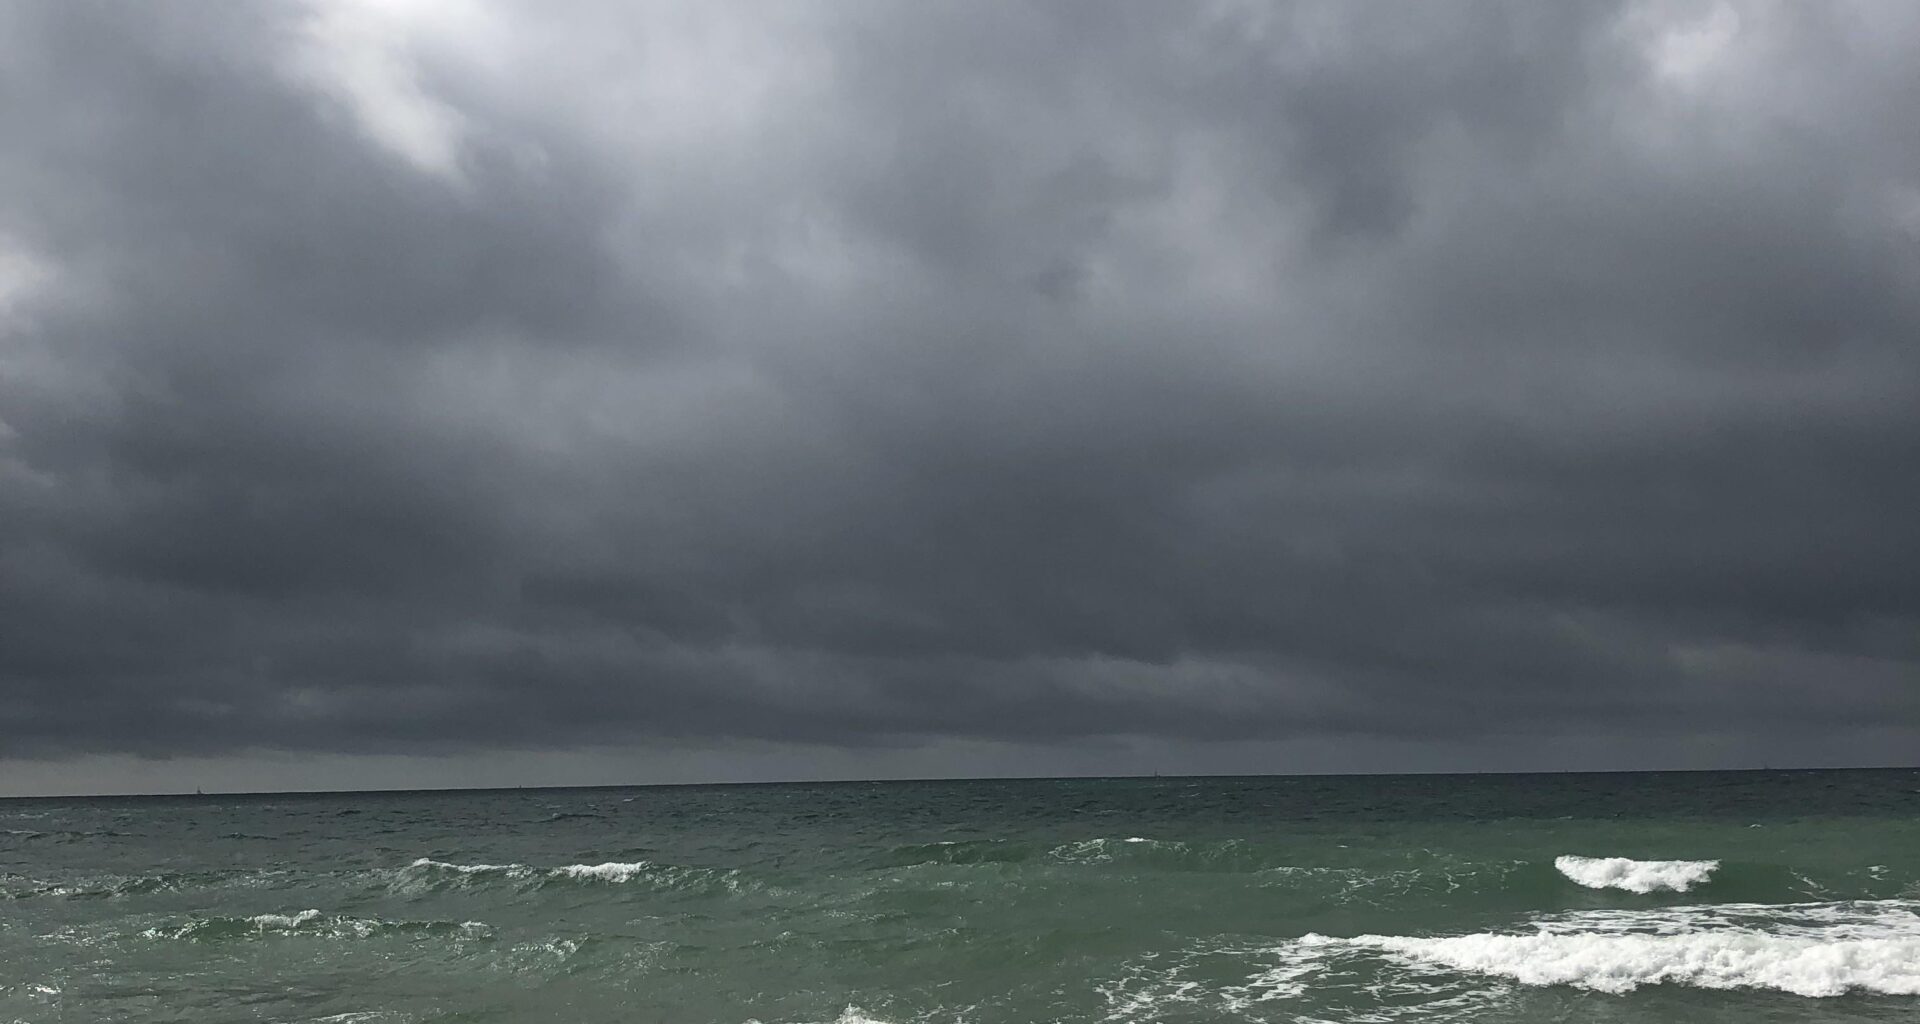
(1696, 897)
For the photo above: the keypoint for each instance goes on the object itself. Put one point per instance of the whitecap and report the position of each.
(1622, 963)
(1813, 950)
(468, 869)
(283, 922)
(611, 871)
(311, 922)
(1641, 876)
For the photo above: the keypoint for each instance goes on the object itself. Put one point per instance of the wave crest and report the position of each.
(429, 873)
(1814, 950)
(311, 922)
(1622, 963)
(1641, 876)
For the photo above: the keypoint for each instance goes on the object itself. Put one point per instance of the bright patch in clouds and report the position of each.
(1686, 54)
(368, 55)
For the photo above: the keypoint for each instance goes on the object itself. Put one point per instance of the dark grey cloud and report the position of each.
(437, 378)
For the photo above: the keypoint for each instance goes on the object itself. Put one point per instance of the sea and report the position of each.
(1673, 897)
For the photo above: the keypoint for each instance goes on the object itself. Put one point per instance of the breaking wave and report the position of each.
(1641, 876)
(1814, 950)
(1810, 950)
(312, 923)
(437, 874)
(1519, 884)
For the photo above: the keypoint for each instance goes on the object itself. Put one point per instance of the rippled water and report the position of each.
(1667, 897)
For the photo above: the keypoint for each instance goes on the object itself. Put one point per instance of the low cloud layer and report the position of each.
(440, 378)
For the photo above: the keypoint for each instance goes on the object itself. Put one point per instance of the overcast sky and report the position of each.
(491, 393)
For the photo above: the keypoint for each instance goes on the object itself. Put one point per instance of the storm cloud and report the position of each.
(441, 378)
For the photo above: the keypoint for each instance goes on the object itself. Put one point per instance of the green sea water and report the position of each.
(1697, 897)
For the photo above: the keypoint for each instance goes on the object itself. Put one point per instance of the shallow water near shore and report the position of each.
(1741, 896)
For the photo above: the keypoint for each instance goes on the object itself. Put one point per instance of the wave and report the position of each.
(65, 835)
(1622, 963)
(433, 874)
(16, 887)
(1808, 950)
(312, 922)
(1414, 882)
(422, 875)
(1221, 856)
(1641, 876)
(611, 871)
(1814, 950)
(509, 870)
(1224, 979)
(1384, 879)
(850, 1015)
(959, 851)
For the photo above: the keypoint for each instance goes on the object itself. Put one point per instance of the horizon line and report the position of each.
(429, 790)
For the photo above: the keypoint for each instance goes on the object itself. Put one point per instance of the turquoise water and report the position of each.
(1757, 896)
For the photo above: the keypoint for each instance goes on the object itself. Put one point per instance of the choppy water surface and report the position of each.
(1775, 896)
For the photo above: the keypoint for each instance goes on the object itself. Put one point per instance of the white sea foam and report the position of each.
(1642, 876)
(609, 872)
(1622, 963)
(471, 869)
(283, 922)
(1103, 849)
(1291, 982)
(1814, 950)
(312, 922)
(850, 1015)
(1083, 850)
